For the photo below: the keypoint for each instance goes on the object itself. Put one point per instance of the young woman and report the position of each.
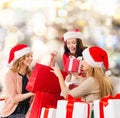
(73, 45)
(17, 99)
(96, 85)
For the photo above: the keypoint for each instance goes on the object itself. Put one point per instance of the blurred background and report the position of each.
(42, 23)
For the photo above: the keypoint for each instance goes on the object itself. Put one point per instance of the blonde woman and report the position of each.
(17, 99)
(96, 85)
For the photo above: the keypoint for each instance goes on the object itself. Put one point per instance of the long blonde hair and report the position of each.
(106, 87)
(16, 66)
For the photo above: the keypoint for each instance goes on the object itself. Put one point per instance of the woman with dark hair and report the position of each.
(73, 45)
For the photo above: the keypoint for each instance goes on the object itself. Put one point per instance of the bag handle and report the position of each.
(53, 59)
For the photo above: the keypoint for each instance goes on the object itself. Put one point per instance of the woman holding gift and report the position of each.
(73, 47)
(17, 100)
(96, 85)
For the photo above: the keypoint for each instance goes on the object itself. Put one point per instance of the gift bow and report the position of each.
(104, 102)
(69, 107)
(81, 71)
(73, 57)
(78, 60)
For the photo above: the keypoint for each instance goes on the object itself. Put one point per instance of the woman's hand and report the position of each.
(53, 59)
(31, 94)
(56, 71)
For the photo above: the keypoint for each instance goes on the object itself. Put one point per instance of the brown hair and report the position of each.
(18, 64)
(106, 87)
(79, 48)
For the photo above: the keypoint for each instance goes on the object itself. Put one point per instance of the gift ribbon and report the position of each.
(77, 60)
(78, 70)
(47, 110)
(69, 107)
(104, 102)
(46, 113)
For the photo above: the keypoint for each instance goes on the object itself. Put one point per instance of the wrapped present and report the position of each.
(42, 79)
(1, 104)
(73, 108)
(48, 112)
(107, 107)
(116, 84)
(2, 100)
(73, 64)
(42, 99)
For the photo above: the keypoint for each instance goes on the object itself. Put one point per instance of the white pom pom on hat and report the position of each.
(18, 51)
(72, 34)
(108, 73)
(96, 57)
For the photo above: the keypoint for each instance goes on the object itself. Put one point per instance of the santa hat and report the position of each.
(72, 34)
(96, 57)
(18, 51)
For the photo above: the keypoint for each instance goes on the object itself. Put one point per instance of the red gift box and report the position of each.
(42, 100)
(73, 64)
(42, 79)
(73, 108)
(48, 112)
(109, 106)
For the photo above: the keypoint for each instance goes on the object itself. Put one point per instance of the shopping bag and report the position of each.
(41, 100)
(42, 79)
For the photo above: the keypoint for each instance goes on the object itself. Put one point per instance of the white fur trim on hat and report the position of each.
(22, 52)
(72, 34)
(108, 73)
(88, 58)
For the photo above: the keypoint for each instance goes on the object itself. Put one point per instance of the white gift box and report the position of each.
(80, 109)
(51, 112)
(1, 105)
(116, 84)
(112, 110)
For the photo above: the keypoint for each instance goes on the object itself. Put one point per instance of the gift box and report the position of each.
(108, 107)
(1, 104)
(41, 100)
(48, 112)
(73, 64)
(42, 79)
(74, 108)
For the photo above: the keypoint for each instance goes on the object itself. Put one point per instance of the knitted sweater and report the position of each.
(13, 93)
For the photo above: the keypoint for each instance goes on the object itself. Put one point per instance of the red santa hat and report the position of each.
(18, 51)
(96, 57)
(72, 34)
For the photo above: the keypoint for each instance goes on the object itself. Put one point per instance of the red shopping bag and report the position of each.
(42, 100)
(42, 79)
